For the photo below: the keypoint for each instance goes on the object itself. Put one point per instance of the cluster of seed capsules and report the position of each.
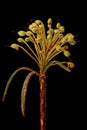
(47, 44)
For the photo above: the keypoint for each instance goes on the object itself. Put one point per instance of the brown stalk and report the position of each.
(42, 80)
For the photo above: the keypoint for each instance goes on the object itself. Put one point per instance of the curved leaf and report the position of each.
(61, 64)
(12, 76)
(24, 91)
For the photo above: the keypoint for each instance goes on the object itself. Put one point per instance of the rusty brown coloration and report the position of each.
(42, 101)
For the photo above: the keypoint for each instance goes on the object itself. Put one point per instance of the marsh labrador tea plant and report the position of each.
(48, 43)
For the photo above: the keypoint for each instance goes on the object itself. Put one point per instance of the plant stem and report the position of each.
(42, 101)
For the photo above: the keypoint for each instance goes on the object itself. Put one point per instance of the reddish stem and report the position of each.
(42, 101)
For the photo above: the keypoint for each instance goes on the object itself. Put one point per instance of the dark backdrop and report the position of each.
(64, 95)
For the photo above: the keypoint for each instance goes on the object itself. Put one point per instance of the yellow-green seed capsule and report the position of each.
(73, 42)
(56, 31)
(20, 40)
(49, 26)
(58, 25)
(70, 36)
(38, 22)
(34, 25)
(28, 33)
(30, 26)
(41, 26)
(50, 31)
(21, 33)
(49, 21)
(63, 40)
(61, 29)
(14, 46)
(66, 53)
(58, 47)
(49, 36)
(34, 30)
(27, 39)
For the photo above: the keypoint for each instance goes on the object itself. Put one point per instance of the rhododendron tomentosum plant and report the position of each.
(48, 44)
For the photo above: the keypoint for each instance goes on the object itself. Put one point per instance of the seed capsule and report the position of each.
(21, 33)
(58, 47)
(66, 53)
(58, 25)
(20, 40)
(61, 29)
(49, 21)
(14, 46)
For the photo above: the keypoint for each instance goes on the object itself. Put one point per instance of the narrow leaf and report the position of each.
(61, 64)
(11, 77)
(24, 91)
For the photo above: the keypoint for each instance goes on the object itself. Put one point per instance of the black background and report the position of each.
(64, 94)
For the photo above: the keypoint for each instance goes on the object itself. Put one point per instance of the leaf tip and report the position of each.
(3, 98)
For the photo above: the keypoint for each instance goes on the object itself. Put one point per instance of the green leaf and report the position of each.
(24, 91)
(11, 77)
